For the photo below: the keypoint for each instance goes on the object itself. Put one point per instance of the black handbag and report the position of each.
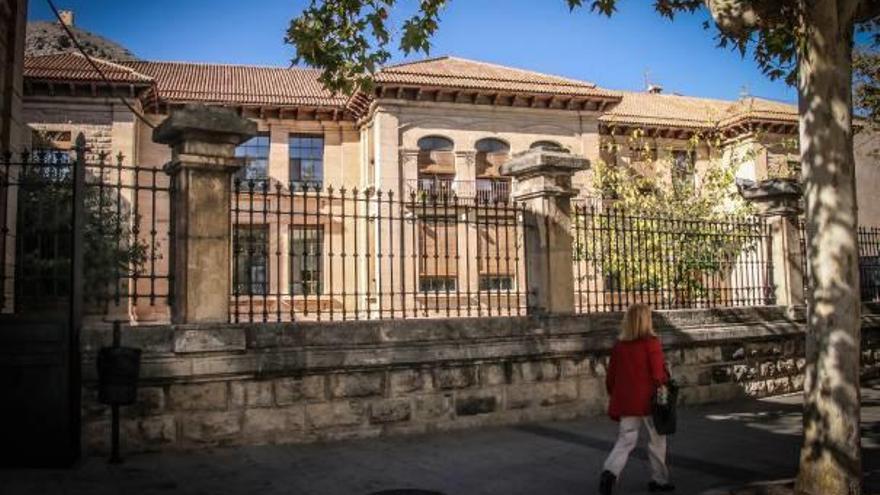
(664, 405)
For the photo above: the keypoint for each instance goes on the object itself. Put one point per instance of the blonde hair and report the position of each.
(637, 323)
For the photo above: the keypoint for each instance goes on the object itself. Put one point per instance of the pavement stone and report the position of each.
(718, 446)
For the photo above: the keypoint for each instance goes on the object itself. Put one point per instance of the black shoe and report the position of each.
(657, 487)
(606, 483)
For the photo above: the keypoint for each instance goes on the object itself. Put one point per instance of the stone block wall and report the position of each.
(306, 382)
(94, 120)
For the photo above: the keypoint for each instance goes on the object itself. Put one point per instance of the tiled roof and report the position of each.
(292, 87)
(238, 84)
(761, 109)
(454, 72)
(693, 113)
(75, 67)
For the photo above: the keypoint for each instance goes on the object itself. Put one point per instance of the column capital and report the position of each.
(772, 197)
(470, 157)
(204, 137)
(543, 173)
(408, 154)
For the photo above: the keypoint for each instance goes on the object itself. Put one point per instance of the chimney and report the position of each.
(66, 17)
(655, 89)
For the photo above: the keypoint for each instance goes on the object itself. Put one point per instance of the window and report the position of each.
(255, 152)
(436, 156)
(682, 170)
(492, 145)
(435, 143)
(52, 148)
(437, 284)
(306, 160)
(251, 243)
(491, 154)
(306, 259)
(549, 146)
(496, 282)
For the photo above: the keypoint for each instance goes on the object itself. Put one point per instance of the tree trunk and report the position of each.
(830, 461)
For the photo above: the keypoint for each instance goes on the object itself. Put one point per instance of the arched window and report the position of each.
(492, 145)
(435, 143)
(491, 154)
(436, 164)
(549, 146)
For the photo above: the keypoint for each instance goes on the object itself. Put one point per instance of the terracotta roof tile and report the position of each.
(761, 109)
(239, 84)
(292, 87)
(693, 113)
(454, 72)
(75, 67)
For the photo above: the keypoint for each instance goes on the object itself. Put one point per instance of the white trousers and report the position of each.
(627, 438)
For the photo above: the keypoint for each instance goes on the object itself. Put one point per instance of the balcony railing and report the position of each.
(480, 190)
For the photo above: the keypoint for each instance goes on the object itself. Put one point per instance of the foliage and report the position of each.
(681, 237)
(112, 251)
(349, 38)
(866, 83)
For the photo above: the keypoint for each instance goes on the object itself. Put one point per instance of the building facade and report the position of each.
(326, 172)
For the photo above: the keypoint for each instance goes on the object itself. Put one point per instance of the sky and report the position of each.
(615, 53)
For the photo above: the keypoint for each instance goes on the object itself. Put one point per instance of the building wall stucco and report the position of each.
(867, 152)
(381, 153)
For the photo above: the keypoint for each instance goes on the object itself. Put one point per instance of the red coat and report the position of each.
(634, 371)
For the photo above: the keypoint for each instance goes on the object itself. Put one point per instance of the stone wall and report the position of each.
(280, 383)
(92, 118)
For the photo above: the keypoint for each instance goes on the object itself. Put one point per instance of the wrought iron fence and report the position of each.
(126, 232)
(670, 263)
(868, 239)
(307, 253)
(869, 263)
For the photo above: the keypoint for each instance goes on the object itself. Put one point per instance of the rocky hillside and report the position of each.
(45, 38)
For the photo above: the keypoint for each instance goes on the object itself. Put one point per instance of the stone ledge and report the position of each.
(212, 351)
(218, 339)
(286, 361)
(159, 338)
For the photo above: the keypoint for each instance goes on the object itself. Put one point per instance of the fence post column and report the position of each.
(202, 141)
(542, 184)
(778, 200)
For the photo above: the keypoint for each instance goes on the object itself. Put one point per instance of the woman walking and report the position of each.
(637, 367)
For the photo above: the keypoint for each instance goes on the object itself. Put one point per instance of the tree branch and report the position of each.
(866, 10)
(738, 18)
(734, 17)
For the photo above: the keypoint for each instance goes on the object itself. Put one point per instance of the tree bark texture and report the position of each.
(830, 462)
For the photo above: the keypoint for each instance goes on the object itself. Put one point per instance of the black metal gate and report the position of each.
(42, 196)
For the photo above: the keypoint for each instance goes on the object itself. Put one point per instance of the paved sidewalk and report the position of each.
(718, 445)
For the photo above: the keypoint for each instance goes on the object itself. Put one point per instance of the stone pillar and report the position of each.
(202, 141)
(542, 182)
(778, 200)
